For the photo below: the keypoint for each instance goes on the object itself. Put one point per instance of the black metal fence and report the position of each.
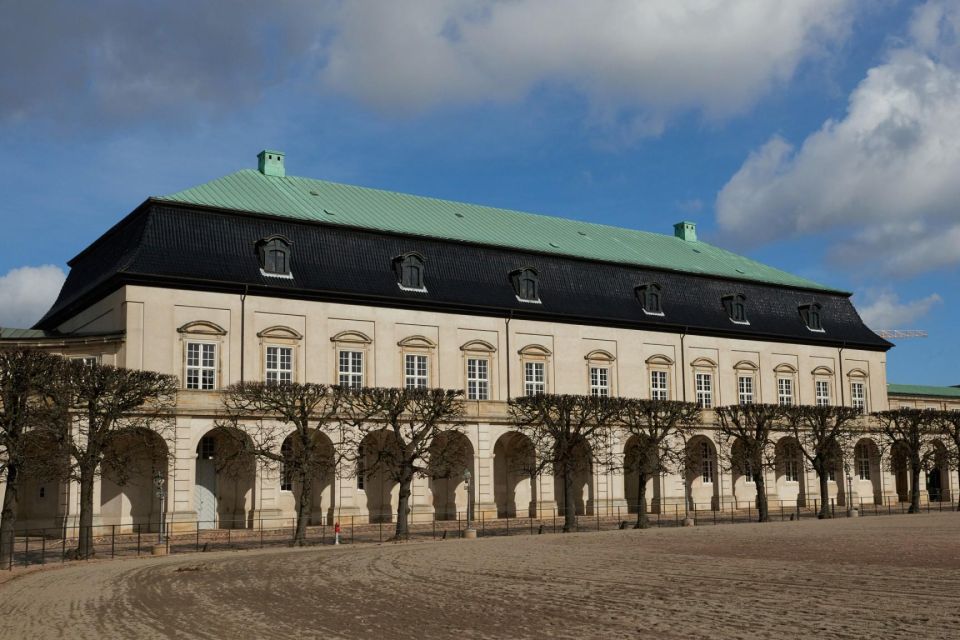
(45, 546)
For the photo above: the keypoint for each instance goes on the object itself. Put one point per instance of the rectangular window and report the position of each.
(745, 389)
(279, 364)
(87, 360)
(361, 468)
(748, 472)
(785, 391)
(658, 386)
(791, 465)
(415, 372)
(534, 378)
(863, 463)
(478, 379)
(599, 381)
(286, 473)
(704, 383)
(201, 366)
(350, 368)
(858, 396)
(706, 463)
(832, 474)
(823, 393)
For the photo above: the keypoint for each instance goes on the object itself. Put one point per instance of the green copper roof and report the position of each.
(922, 390)
(9, 333)
(332, 203)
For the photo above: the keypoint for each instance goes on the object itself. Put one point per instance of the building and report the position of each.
(263, 276)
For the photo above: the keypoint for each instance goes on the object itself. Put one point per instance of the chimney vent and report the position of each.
(686, 231)
(270, 163)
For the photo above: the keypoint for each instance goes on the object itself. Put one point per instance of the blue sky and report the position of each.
(819, 136)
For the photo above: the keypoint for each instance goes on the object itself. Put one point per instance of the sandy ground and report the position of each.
(890, 577)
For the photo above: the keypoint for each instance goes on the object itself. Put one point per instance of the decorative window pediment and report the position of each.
(745, 365)
(203, 328)
(354, 337)
(736, 307)
(600, 355)
(421, 342)
(856, 373)
(534, 350)
(810, 314)
(526, 284)
(479, 346)
(409, 268)
(274, 254)
(650, 297)
(280, 332)
(823, 371)
(660, 359)
(704, 363)
(785, 368)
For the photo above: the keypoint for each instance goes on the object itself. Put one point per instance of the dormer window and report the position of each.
(526, 284)
(409, 270)
(810, 313)
(274, 256)
(648, 295)
(736, 306)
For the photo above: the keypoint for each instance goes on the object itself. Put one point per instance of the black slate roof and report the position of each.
(187, 247)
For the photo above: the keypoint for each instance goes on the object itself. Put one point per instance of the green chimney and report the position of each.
(686, 231)
(270, 163)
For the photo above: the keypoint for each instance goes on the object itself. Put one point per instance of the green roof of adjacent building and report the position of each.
(307, 199)
(8, 333)
(923, 390)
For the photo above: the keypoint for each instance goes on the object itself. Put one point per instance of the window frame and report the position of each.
(278, 371)
(650, 297)
(201, 367)
(534, 353)
(708, 465)
(661, 365)
(478, 386)
(812, 317)
(530, 276)
(703, 389)
(745, 390)
(419, 375)
(352, 340)
(275, 244)
(418, 345)
(401, 266)
(477, 349)
(735, 305)
(354, 379)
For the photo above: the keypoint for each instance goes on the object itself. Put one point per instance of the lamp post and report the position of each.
(469, 532)
(849, 500)
(160, 483)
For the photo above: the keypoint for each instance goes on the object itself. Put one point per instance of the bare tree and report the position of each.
(405, 433)
(824, 435)
(747, 430)
(562, 429)
(304, 412)
(659, 430)
(27, 412)
(948, 424)
(911, 431)
(107, 403)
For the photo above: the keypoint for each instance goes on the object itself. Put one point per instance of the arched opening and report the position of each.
(580, 468)
(377, 474)
(514, 475)
(225, 479)
(938, 475)
(450, 455)
(128, 490)
(42, 501)
(900, 465)
(633, 461)
(743, 468)
(866, 457)
(789, 472)
(702, 481)
(323, 469)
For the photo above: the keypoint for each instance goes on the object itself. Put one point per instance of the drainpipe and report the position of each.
(843, 399)
(243, 319)
(509, 357)
(683, 366)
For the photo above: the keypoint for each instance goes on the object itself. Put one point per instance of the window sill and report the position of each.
(519, 299)
(816, 330)
(282, 276)
(659, 314)
(745, 323)
(412, 289)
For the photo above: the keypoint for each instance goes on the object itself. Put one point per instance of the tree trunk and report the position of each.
(569, 505)
(403, 504)
(85, 546)
(762, 511)
(642, 522)
(824, 490)
(8, 515)
(304, 508)
(914, 487)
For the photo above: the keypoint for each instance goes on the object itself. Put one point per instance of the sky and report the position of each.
(818, 136)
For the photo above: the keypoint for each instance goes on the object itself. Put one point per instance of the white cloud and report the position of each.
(635, 62)
(890, 166)
(27, 293)
(883, 310)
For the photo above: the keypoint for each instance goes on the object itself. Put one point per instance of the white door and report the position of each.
(205, 494)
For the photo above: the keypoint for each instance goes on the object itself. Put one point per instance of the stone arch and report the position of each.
(225, 479)
(789, 471)
(938, 473)
(742, 470)
(42, 501)
(580, 468)
(377, 475)
(631, 479)
(702, 477)
(514, 475)
(323, 497)
(450, 455)
(866, 460)
(133, 461)
(900, 467)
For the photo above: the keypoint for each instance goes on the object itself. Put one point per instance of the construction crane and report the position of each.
(901, 333)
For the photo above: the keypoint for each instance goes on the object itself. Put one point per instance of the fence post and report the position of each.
(26, 548)
(113, 540)
(598, 518)
(43, 546)
(554, 519)
(261, 533)
(381, 529)
(508, 523)
(63, 547)
(139, 528)
(483, 524)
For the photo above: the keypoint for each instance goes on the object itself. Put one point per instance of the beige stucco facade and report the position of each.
(152, 327)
